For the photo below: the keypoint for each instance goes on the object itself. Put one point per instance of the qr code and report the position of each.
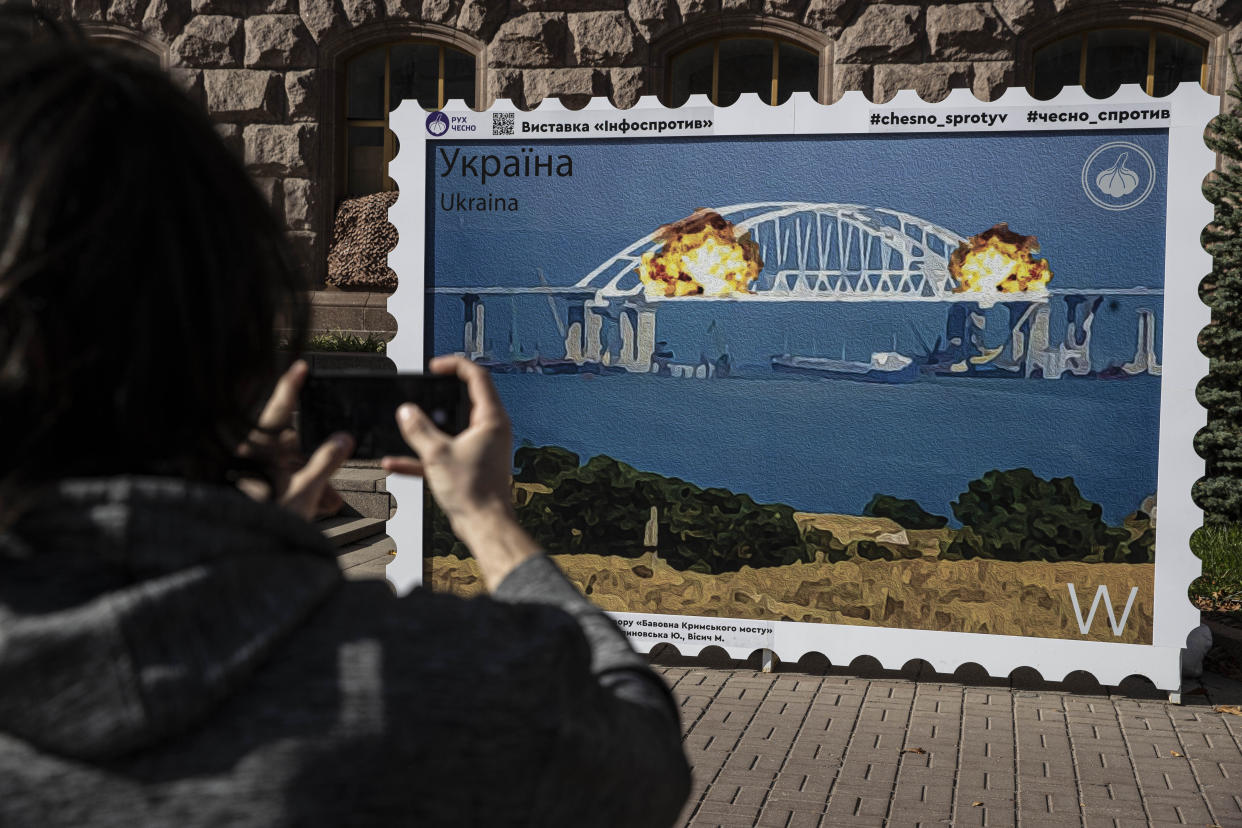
(502, 123)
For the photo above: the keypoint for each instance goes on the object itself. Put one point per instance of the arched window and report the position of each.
(1100, 60)
(379, 79)
(723, 68)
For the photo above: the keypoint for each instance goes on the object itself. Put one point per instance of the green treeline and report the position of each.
(1015, 516)
(606, 507)
(905, 513)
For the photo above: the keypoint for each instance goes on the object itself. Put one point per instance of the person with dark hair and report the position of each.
(177, 644)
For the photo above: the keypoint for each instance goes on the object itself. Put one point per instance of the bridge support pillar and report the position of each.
(584, 334)
(1080, 313)
(593, 344)
(638, 338)
(1013, 357)
(1038, 354)
(626, 324)
(1144, 361)
(574, 333)
(472, 327)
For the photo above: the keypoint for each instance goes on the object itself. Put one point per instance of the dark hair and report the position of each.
(142, 275)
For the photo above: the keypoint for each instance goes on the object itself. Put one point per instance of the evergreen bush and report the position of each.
(1015, 515)
(604, 506)
(907, 514)
(1219, 493)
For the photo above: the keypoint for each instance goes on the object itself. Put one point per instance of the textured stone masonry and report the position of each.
(244, 94)
(279, 149)
(267, 70)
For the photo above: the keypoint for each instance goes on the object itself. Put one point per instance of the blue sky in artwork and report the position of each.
(622, 190)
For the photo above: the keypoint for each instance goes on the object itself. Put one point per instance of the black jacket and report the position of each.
(178, 655)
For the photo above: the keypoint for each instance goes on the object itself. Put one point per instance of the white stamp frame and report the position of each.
(1189, 109)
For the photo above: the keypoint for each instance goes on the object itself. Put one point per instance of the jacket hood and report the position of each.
(130, 607)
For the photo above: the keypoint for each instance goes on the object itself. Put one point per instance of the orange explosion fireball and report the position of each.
(998, 261)
(702, 255)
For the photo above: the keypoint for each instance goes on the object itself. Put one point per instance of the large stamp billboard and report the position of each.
(907, 380)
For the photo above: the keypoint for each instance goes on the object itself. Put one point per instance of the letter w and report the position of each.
(1101, 594)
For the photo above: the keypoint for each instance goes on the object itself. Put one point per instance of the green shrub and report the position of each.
(347, 343)
(544, 464)
(872, 551)
(440, 540)
(1219, 493)
(1220, 550)
(823, 544)
(907, 514)
(603, 508)
(1016, 516)
(1142, 549)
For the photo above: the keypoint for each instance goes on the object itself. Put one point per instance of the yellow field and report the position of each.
(981, 596)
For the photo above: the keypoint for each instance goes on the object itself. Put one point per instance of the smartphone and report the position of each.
(365, 405)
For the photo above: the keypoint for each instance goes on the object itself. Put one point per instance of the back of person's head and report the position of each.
(142, 275)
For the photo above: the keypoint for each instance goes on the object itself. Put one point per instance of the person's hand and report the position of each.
(470, 474)
(300, 485)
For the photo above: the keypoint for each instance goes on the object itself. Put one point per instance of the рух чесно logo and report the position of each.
(437, 124)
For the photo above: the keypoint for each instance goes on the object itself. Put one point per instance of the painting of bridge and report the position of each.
(814, 381)
(809, 253)
(907, 392)
(641, 541)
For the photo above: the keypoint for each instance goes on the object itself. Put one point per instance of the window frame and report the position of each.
(715, 42)
(335, 51)
(1130, 14)
(729, 25)
(389, 145)
(1151, 31)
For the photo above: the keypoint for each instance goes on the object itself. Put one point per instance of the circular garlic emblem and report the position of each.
(1118, 175)
(1118, 180)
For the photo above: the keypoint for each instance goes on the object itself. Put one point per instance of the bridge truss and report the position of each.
(818, 252)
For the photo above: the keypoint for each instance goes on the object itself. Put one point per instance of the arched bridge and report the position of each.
(812, 252)
(817, 251)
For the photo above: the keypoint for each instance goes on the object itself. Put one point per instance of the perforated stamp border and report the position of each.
(1185, 114)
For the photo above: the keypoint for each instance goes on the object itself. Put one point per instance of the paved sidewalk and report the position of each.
(806, 748)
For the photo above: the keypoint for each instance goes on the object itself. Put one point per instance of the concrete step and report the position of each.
(368, 558)
(331, 318)
(377, 505)
(338, 310)
(348, 529)
(364, 491)
(359, 478)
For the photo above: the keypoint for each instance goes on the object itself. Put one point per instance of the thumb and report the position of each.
(420, 432)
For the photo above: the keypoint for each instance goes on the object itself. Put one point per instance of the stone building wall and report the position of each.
(267, 69)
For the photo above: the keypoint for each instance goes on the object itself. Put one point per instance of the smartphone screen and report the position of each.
(365, 405)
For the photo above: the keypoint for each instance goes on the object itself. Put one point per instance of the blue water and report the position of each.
(829, 445)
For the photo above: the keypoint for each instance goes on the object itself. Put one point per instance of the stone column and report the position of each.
(574, 333)
(473, 326)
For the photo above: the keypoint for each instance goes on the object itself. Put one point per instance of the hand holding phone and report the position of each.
(470, 475)
(300, 485)
(365, 405)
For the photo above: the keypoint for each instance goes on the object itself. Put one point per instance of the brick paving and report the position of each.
(811, 746)
(805, 748)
